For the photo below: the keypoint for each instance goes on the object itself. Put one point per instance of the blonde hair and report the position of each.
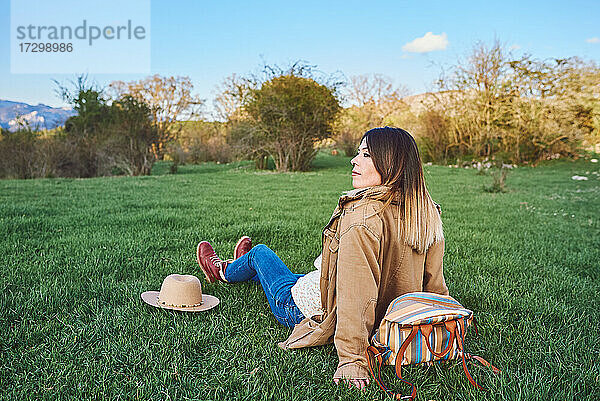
(396, 158)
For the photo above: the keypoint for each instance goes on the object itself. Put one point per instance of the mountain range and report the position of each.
(43, 117)
(39, 117)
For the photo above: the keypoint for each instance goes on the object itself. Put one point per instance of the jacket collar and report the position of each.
(355, 194)
(361, 193)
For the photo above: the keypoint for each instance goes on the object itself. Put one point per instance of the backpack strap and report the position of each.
(461, 342)
(484, 363)
(400, 357)
(480, 359)
(460, 337)
(373, 352)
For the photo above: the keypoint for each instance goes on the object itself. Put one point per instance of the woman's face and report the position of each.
(364, 173)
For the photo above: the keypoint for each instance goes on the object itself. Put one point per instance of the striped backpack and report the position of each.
(421, 327)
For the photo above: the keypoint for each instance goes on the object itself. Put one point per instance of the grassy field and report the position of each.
(75, 254)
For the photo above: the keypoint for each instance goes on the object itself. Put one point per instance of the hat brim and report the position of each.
(208, 302)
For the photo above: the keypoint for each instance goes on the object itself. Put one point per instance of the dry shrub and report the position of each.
(523, 110)
(347, 140)
(201, 141)
(26, 154)
(375, 102)
(119, 143)
(16, 150)
(434, 142)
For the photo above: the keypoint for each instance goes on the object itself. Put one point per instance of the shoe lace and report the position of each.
(215, 260)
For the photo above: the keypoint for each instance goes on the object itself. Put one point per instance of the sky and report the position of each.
(408, 41)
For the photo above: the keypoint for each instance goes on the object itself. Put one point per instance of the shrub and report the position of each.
(498, 180)
(104, 137)
(289, 114)
(526, 109)
(282, 116)
(434, 142)
(27, 154)
(17, 150)
(128, 144)
(375, 102)
(347, 142)
(201, 141)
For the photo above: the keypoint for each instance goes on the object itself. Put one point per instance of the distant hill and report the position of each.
(40, 117)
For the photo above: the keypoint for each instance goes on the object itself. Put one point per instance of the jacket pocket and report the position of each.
(331, 241)
(334, 245)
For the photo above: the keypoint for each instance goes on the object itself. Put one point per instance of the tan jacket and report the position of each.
(365, 266)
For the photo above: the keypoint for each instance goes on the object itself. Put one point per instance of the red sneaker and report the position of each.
(242, 247)
(209, 262)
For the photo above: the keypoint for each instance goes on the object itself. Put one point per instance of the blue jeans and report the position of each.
(263, 265)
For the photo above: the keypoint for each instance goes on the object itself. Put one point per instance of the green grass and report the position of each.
(75, 254)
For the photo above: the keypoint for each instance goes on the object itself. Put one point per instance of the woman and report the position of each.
(383, 240)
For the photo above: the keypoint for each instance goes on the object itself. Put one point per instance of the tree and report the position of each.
(90, 103)
(281, 113)
(170, 100)
(555, 108)
(242, 135)
(230, 95)
(106, 136)
(84, 131)
(374, 102)
(133, 136)
(476, 91)
(521, 110)
(287, 115)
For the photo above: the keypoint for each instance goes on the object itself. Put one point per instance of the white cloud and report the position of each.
(515, 47)
(593, 40)
(427, 43)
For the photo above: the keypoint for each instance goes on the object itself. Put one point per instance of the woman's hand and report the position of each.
(358, 383)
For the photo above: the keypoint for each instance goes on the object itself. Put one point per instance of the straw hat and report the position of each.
(180, 292)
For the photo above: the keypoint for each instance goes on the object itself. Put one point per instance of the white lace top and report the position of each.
(307, 292)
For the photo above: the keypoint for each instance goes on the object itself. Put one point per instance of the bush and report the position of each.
(498, 180)
(106, 137)
(27, 154)
(282, 116)
(17, 150)
(376, 102)
(527, 109)
(201, 141)
(288, 115)
(347, 142)
(128, 144)
(434, 142)
(103, 139)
